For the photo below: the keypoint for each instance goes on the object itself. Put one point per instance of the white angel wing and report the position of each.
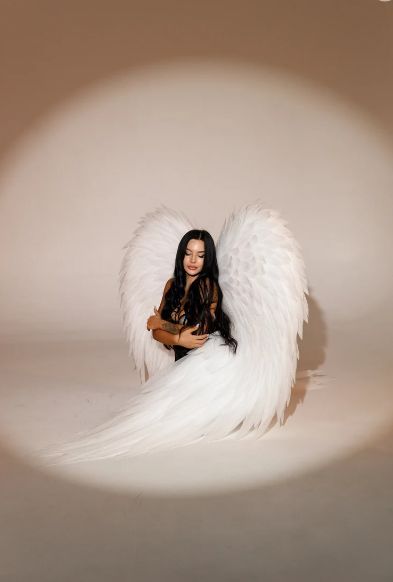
(211, 393)
(263, 279)
(147, 265)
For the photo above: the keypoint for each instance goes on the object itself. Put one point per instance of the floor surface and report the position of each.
(312, 500)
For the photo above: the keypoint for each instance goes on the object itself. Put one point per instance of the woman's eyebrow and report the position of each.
(190, 251)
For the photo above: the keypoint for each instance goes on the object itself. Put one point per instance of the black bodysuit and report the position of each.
(180, 352)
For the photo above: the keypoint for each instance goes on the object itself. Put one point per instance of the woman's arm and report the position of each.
(156, 322)
(170, 327)
(165, 337)
(168, 332)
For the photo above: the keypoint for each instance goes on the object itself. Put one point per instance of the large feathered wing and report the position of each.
(263, 279)
(147, 265)
(213, 393)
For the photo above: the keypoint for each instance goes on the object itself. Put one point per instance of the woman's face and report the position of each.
(194, 257)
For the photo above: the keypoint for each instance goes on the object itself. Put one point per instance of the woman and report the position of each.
(191, 306)
(234, 387)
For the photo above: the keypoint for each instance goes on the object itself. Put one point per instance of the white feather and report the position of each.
(211, 393)
(262, 276)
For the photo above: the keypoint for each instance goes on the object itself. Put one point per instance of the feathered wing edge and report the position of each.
(147, 265)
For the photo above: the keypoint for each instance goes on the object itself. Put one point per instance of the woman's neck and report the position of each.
(189, 280)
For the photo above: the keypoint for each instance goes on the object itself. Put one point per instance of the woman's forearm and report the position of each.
(165, 337)
(171, 327)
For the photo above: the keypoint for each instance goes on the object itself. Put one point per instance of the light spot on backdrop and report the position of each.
(202, 137)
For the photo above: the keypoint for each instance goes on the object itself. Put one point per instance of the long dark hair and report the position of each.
(201, 291)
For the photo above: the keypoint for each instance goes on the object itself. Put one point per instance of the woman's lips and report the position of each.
(192, 268)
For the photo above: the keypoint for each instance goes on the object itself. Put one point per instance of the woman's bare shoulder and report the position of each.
(168, 284)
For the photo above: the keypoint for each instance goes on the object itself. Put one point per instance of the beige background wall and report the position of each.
(109, 110)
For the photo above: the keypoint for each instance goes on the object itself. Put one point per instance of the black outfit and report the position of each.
(180, 352)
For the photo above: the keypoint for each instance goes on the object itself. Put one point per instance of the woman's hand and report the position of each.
(187, 340)
(154, 321)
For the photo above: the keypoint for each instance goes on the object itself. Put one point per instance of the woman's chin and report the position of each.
(192, 272)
